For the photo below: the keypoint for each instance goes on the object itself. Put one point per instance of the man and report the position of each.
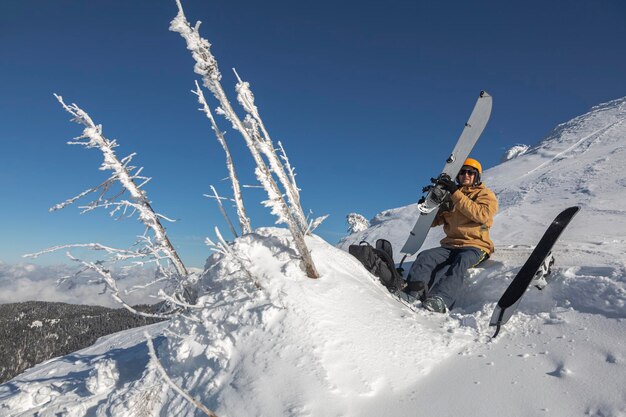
(437, 274)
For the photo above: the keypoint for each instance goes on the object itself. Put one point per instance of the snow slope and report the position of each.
(286, 345)
(579, 163)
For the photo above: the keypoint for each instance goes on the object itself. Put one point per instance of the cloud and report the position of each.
(60, 283)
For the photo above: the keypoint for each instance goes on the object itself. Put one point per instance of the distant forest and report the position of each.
(34, 331)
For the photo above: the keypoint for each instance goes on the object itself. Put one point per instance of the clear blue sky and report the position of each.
(367, 97)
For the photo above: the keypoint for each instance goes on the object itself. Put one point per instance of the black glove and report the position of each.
(447, 183)
(447, 205)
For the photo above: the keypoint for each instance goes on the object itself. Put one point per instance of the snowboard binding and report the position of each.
(544, 274)
(434, 198)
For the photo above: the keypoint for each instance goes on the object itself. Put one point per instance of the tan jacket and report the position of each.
(470, 219)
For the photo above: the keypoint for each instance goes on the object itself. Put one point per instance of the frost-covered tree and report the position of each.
(285, 203)
(356, 223)
(122, 193)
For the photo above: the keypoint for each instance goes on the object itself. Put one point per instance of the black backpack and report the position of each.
(379, 261)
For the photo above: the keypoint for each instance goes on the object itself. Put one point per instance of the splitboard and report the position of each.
(511, 297)
(430, 203)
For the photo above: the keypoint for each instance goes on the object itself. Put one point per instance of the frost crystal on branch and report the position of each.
(206, 65)
(290, 170)
(315, 223)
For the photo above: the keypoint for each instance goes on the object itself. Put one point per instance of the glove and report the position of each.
(447, 183)
(447, 205)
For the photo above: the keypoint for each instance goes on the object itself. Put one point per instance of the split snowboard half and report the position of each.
(539, 261)
(436, 195)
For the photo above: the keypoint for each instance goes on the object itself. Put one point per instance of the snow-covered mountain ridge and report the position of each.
(285, 345)
(580, 163)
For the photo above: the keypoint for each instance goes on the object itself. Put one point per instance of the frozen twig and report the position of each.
(163, 296)
(111, 284)
(244, 220)
(119, 254)
(219, 199)
(315, 223)
(290, 170)
(157, 364)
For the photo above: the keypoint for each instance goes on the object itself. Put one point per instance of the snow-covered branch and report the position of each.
(118, 254)
(290, 170)
(265, 145)
(157, 364)
(122, 193)
(244, 221)
(315, 223)
(222, 210)
(111, 284)
(206, 66)
(131, 182)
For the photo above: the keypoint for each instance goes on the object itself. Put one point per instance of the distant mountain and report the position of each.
(34, 331)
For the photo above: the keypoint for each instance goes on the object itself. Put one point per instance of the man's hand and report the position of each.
(447, 183)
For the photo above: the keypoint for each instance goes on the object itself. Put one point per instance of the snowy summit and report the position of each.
(275, 343)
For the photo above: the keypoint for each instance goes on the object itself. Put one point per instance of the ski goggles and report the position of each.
(470, 172)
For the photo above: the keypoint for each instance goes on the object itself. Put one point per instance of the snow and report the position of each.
(342, 346)
(515, 151)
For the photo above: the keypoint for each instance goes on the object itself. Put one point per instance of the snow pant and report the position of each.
(443, 270)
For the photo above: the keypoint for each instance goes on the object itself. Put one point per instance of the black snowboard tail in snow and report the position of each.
(539, 261)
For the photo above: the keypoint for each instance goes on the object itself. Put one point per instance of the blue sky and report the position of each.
(368, 98)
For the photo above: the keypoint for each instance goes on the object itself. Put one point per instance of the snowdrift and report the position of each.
(285, 345)
(294, 346)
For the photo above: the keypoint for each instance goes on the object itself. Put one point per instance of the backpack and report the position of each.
(379, 262)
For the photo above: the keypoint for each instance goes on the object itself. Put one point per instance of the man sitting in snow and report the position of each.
(437, 274)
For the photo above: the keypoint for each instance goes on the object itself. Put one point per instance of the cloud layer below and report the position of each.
(60, 283)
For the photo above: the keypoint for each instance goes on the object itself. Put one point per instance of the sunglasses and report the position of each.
(469, 172)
